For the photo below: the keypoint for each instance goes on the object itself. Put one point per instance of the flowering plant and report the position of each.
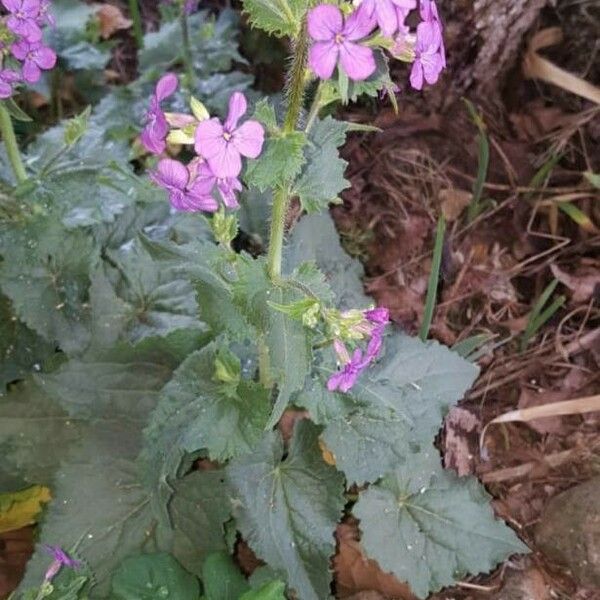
(183, 351)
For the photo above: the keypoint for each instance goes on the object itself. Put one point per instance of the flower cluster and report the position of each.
(219, 147)
(372, 325)
(24, 55)
(347, 42)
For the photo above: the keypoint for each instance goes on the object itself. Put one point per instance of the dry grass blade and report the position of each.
(536, 67)
(554, 409)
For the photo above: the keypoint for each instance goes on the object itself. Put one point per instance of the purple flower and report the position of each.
(45, 17)
(7, 79)
(35, 57)
(60, 559)
(184, 193)
(345, 379)
(380, 316)
(335, 39)
(23, 18)
(156, 129)
(223, 145)
(226, 186)
(390, 14)
(429, 59)
(429, 13)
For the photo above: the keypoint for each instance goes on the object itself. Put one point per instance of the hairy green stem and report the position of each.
(10, 142)
(138, 32)
(281, 198)
(187, 49)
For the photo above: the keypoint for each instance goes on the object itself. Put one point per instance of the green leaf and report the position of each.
(77, 126)
(286, 338)
(99, 507)
(315, 239)
(281, 160)
(264, 112)
(21, 349)
(123, 381)
(289, 351)
(45, 274)
(222, 578)
(198, 511)
(68, 37)
(213, 43)
(139, 297)
(152, 576)
(274, 500)
(278, 17)
(430, 528)
(274, 590)
(35, 435)
(399, 402)
(322, 178)
(197, 412)
(15, 111)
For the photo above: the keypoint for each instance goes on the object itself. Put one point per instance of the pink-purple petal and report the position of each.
(325, 22)
(172, 174)
(166, 86)
(416, 75)
(227, 163)
(357, 61)
(248, 139)
(45, 58)
(237, 109)
(209, 138)
(322, 58)
(359, 24)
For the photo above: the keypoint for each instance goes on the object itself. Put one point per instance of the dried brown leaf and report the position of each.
(355, 573)
(111, 20)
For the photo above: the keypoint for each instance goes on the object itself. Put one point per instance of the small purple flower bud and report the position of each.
(60, 559)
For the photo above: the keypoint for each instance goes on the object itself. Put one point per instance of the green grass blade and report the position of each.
(434, 278)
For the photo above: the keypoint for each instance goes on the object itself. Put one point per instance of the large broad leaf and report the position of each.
(279, 17)
(213, 42)
(398, 402)
(316, 239)
(152, 576)
(91, 153)
(124, 381)
(35, 435)
(195, 413)
(287, 508)
(100, 506)
(138, 297)
(21, 349)
(198, 510)
(222, 578)
(45, 273)
(430, 528)
(68, 37)
(322, 178)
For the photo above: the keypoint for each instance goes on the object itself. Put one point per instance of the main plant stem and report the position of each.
(10, 142)
(187, 49)
(281, 198)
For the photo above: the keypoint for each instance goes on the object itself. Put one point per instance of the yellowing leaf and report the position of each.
(328, 455)
(18, 509)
